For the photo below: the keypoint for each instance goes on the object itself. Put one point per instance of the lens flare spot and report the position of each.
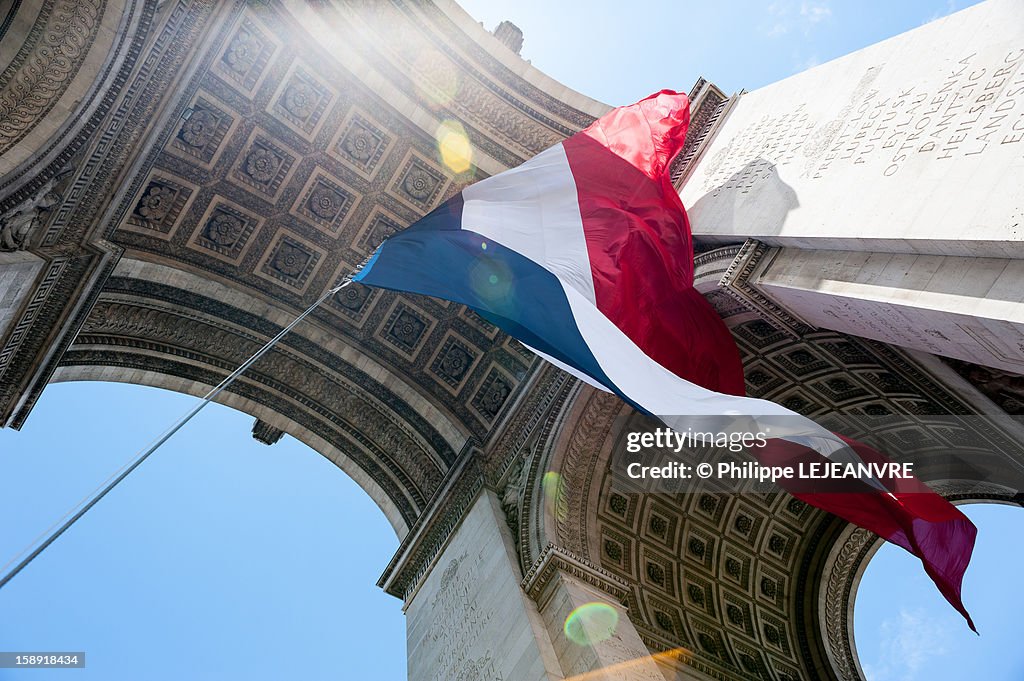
(550, 484)
(453, 146)
(483, 245)
(591, 623)
(492, 282)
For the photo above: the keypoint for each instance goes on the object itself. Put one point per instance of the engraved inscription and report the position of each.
(975, 106)
(459, 618)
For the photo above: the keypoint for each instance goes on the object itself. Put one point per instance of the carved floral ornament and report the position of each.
(407, 328)
(455, 362)
(262, 164)
(325, 202)
(360, 144)
(300, 99)
(224, 229)
(156, 202)
(290, 260)
(200, 128)
(495, 396)
(352, 297)
(243, 51)
(419, 184)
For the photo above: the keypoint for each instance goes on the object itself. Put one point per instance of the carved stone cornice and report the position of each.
(514, 435)
(65, 147)
(530, 512)
(512, 462)
(684, 659)
(580, 465)
(46, 330)
(39, 74)
(710, 266)
(554, 560)
(429, 535)
(709, 107)
(736, 282)
(837, 597)
(315, 380)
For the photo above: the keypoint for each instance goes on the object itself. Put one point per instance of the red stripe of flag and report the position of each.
(639, 243)
(641, 253)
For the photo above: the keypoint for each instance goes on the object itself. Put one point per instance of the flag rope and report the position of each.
(71, 517)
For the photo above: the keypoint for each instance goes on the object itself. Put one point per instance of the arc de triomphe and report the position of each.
(178, 179)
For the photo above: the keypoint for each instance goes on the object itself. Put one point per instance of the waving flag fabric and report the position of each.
(584, 254)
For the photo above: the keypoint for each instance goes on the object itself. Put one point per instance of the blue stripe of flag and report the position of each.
(437, 257)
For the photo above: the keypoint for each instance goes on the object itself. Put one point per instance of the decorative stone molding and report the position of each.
(544, 394)
(579, 467)
(509, 464)
(310, 382)
(752, 256)
(110, 134)
(708, 108)
(66, 147)
(39, 74)
(266, 433)
(711, 265)
(554, 560)
(428, 536)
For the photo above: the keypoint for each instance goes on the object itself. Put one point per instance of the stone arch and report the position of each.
(358, 412)
(846, 559)
(676, 553)
(232, 161)
(110, 372)
(58, 81)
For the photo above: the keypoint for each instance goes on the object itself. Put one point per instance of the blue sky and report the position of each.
(905, 631)
(219, 558)
(222, 558)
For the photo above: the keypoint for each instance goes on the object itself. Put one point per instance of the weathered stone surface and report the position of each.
(912, 145)
(971, 309)
(469, 618)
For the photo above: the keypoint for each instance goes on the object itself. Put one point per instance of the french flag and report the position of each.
(584, 254)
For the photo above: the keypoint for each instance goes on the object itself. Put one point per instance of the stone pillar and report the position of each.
(466, 616)
(882, 191)
(471, 616)
(966, 308)
(605, 646)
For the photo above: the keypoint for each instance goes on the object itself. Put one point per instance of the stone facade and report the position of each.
(197, 173)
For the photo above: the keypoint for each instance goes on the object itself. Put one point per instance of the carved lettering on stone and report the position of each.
(459, 617)
(972, 109)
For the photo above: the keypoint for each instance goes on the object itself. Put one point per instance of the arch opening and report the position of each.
(903, 629)
(269, 545)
